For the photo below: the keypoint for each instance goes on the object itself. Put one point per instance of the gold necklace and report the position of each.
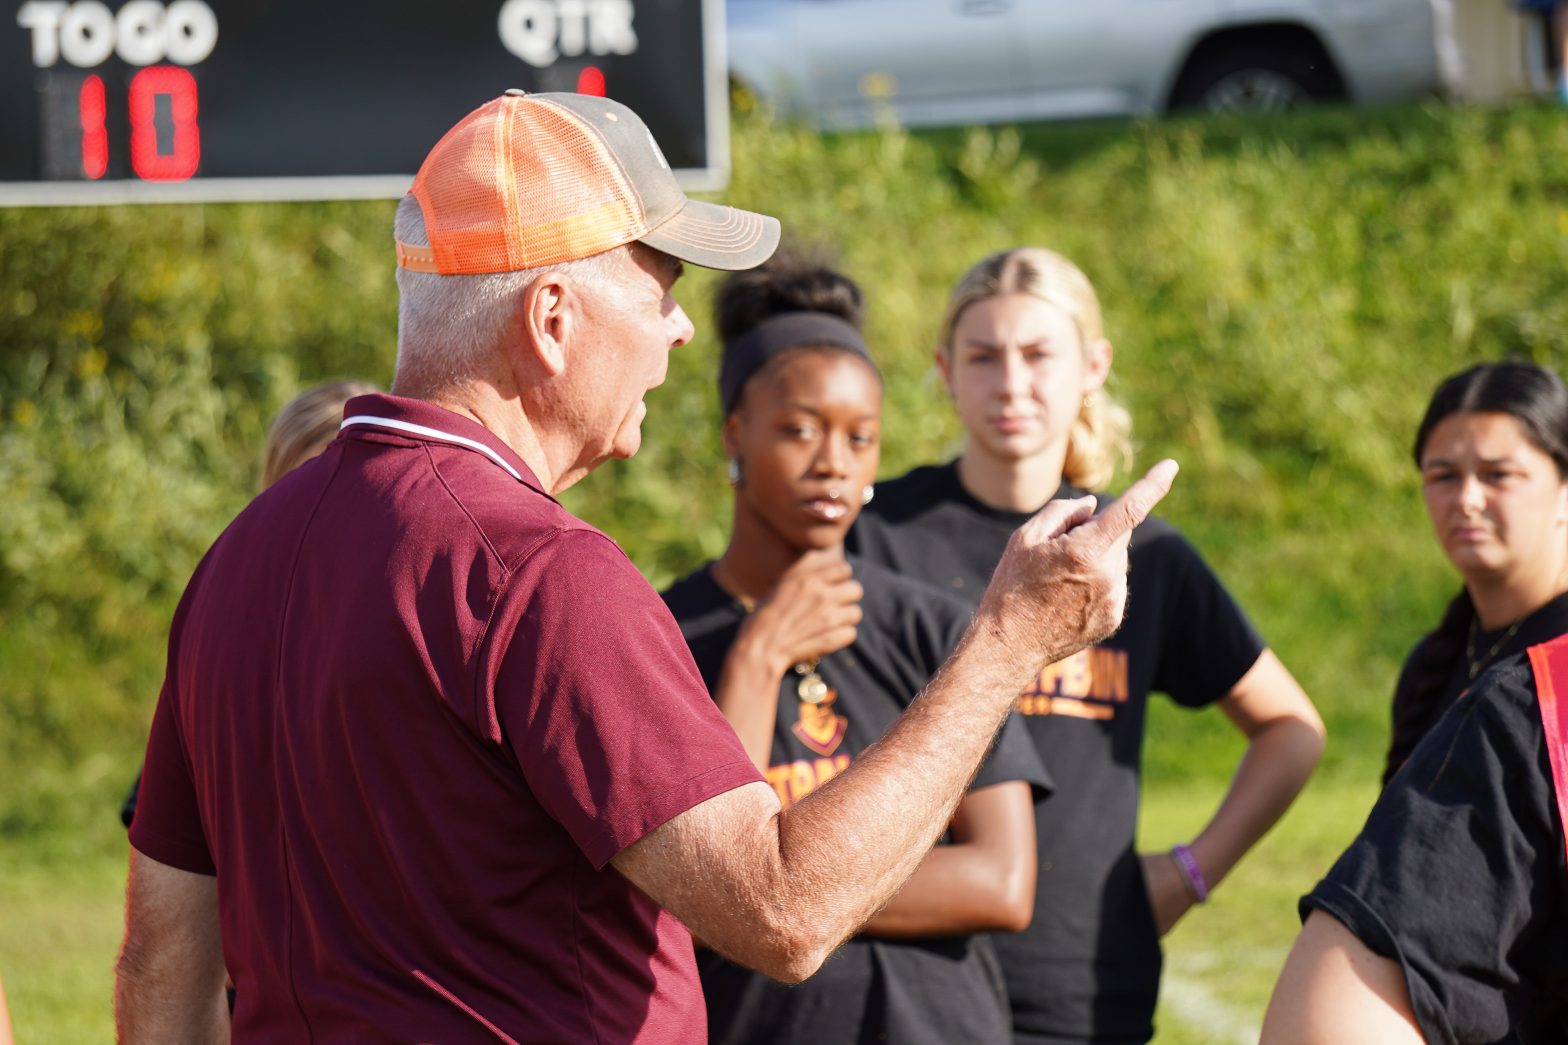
(1471, 662)
(810, 687)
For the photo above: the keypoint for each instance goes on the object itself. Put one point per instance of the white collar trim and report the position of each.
(430, 433)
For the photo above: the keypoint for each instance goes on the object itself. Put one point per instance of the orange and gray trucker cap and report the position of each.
(529, 180)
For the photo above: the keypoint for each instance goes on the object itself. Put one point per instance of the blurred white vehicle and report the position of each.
(844, 63)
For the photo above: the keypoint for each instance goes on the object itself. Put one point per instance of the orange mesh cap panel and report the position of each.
(521, 183)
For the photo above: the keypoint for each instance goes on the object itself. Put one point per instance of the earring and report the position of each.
(865, 495)
(735, 476)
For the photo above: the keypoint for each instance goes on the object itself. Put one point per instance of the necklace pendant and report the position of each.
(811, 689)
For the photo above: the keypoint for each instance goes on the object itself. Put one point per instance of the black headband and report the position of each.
(746, 354)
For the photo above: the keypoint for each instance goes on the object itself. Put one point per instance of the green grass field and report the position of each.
(1282, 295)
(62, 924)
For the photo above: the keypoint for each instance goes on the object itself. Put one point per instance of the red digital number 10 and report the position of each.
(165, 136)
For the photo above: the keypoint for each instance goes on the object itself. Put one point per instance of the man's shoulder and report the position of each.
(511, 518)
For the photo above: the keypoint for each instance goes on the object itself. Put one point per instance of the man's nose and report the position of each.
(683, 330)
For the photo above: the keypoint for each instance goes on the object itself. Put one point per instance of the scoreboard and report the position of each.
(147, 100)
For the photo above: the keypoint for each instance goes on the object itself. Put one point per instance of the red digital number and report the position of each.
(175, 129)
(95, 136)
(591, 81)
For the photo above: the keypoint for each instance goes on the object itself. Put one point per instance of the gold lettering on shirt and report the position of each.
(1088, 684)
(793, 781)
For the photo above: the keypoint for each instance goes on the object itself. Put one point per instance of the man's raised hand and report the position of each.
(1062, 582)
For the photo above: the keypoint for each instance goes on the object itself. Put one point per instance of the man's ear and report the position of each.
(548, 320)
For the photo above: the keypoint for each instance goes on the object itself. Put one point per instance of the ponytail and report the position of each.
(1425, 676)
(1100, 439)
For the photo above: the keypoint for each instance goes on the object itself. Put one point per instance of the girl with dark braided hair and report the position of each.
(1447, 918)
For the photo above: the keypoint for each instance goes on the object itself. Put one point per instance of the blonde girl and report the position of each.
(1025, 359)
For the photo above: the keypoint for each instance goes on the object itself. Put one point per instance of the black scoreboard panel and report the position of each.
(108, 101)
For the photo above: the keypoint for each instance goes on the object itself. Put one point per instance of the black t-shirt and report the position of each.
(1414, 715)
(1088, 966)
(935, 991)
(1459, 874)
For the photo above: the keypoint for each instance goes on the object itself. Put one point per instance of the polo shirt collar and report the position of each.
(418, 419)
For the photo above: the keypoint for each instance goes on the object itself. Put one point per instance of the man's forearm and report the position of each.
(779, 891)
(169, 977)
(905, 786)
(152, 1009)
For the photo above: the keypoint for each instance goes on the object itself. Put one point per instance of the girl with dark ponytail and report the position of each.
(1493, 454)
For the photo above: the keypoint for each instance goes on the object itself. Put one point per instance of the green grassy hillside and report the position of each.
(1281, 296)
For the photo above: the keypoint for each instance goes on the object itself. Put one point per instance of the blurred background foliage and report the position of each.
(1282, 296)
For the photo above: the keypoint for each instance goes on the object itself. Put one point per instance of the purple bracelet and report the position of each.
(1188, 864)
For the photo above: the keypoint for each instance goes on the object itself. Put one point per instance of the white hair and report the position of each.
(451, 328)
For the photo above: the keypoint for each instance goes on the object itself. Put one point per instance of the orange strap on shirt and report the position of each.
(1550, 663)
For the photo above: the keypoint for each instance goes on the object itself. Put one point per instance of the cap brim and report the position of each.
(716, 237)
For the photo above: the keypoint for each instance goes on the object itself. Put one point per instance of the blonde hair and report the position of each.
(304, 427)
(1102, 434)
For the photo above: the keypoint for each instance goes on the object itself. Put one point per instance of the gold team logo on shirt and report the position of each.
(819, 727)
(822, 730)
(1091, 683)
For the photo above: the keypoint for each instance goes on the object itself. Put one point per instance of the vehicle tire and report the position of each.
(1253, 78)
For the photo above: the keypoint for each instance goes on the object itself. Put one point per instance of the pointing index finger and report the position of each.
(1135, 503)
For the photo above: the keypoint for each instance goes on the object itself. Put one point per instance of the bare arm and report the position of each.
(169, 979)
(1284, 742)
(778, 891)
(982, 881)
(1335, 991)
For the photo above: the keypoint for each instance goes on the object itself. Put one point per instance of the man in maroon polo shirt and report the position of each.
(431, 761)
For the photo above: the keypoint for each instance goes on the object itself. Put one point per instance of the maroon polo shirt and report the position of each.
(412, 709)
